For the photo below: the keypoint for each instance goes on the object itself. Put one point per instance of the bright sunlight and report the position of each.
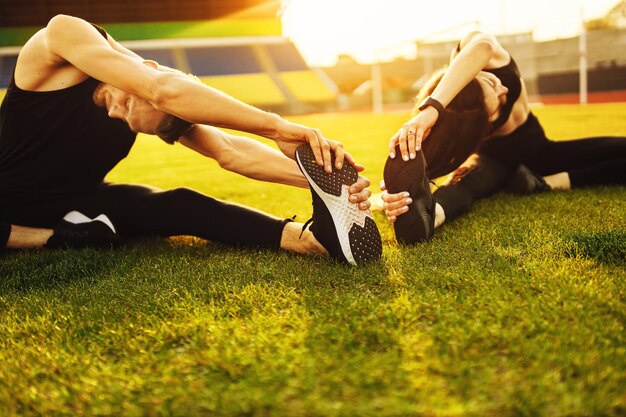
(371, 30)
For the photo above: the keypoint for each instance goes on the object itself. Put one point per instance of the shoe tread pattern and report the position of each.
(365, 242)
(331, 184)
(356, 231)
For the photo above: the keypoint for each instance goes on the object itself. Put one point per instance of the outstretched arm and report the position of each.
(477, 52)
(244, 156)
(255, 160)
(71, 40)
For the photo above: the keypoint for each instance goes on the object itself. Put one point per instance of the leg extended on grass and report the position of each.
(479, 177)
(138, 210)
(22, 237)
(293, 239)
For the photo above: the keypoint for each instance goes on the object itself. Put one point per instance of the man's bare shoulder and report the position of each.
(38, 68)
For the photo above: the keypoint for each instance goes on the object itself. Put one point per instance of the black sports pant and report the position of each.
(589, 161)
(137, 210)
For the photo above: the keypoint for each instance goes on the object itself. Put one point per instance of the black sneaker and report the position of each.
(525, 181)
(418, 224)
(349, 235)
(79, 231)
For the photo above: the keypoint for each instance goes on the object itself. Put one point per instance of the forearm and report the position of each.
(466, 65)
(244, 156)
(198, 103)
(257, 161)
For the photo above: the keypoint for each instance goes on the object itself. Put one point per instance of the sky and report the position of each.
(372, 30)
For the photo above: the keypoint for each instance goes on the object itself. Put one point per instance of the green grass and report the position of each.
(517, 309)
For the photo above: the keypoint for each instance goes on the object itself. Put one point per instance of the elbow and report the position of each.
(225, 162)
(228, 160)
(162, 92)
(236, 162)
(58, 26)
(59, 20)
(485, 47)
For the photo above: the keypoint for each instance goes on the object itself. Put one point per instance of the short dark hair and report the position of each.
(458, 131)
(172, 128)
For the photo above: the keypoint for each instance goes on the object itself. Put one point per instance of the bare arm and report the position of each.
(78, 42)
(255, 160)
(71, 40)
(244, 156)
(477, 52)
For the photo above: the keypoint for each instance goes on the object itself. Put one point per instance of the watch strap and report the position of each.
(429, 101)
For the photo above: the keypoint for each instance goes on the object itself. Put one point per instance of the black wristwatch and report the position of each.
(429, 101)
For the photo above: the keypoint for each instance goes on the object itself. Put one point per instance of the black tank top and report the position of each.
(55, 144)
(510, 77)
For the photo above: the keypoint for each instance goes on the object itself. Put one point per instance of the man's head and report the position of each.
(139, 114)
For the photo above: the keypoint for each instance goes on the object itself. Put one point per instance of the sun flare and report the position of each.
(370, 30)
(361, 29)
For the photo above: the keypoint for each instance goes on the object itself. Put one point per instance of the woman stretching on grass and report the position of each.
(72, 112)
(476, 124)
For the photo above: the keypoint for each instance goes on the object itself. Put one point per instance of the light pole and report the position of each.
(377, 87)
(582, 62)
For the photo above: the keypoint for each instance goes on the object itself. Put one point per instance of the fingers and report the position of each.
(410, 136)
(359, 167)
(396, 204)
(411, 142)
(326, 154)
(320, 147)
(360, 184)
(350, 159)
(393, 142)
(340, 154)
(362, 199)
(402, 140)
(383, 187)
(360, 194)
(405, 138)
(419, 136)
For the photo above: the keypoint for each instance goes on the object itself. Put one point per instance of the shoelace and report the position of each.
(308, 222)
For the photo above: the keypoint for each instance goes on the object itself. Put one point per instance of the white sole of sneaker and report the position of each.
(344, 214)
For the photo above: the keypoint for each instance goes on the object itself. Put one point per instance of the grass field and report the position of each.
(517, 309)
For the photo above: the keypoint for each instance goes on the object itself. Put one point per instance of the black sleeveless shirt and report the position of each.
(56, 144)
(510, 77)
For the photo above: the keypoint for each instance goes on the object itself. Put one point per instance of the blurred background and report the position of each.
(303, 56)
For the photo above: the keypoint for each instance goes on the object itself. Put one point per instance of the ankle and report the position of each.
(295, 240)
(22, 237)
(559, 181)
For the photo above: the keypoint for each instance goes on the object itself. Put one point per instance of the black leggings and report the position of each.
(137, 210)
(589, 161)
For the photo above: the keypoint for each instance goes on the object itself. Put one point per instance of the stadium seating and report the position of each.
(267, 72)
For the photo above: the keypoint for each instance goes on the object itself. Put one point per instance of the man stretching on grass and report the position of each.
(72, 112)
